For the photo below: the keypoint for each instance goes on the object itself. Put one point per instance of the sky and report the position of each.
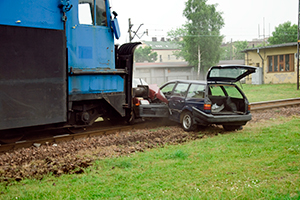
(244, 20)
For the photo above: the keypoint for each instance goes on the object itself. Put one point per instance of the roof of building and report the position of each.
(272, 46)
(162, 45)
(162, 65)
(228, 62)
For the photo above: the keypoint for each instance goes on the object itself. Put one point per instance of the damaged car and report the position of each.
(218, 100)
(148, 101)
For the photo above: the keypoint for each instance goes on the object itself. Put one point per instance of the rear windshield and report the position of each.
(225, 90)
(226, 72)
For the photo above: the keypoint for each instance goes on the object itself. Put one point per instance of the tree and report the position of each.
(177, 36)
(202, 31)
(145, 54)
(232, 51)
(238, 47)
(284, 33)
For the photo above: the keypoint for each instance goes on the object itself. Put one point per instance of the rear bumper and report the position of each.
(235, 119)
(152, 110)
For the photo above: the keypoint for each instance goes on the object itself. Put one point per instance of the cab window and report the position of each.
(101, 13)
(86, 10)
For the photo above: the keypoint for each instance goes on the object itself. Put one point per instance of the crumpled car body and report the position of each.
(148, 101)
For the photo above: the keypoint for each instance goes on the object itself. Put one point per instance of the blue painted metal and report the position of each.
(90, 47)
(86, 52)
(31, 13)
(87, 84)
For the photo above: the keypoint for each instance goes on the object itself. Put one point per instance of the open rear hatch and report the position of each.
(229, 73)
(226, 98)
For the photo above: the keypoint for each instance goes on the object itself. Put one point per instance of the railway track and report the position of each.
(105, 129)
(97, 129)
(265, 105)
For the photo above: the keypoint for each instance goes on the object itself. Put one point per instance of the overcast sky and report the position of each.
(242, 18)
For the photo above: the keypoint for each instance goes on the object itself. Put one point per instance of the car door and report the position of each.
(167, 89)
(177, 100)
(195, 96)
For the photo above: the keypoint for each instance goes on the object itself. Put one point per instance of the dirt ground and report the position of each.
(75, 156)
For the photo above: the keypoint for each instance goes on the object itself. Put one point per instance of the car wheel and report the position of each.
(232, 127)
(187, 122)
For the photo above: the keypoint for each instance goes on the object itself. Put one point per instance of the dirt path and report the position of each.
(74, 156)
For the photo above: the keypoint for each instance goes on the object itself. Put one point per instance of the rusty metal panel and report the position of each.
(33, 82)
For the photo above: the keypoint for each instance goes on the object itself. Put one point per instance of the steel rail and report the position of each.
(265, 105)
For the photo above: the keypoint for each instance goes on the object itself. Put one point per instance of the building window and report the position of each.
(270, 63)
(281, 63)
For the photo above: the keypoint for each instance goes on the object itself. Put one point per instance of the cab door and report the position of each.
(90, 37)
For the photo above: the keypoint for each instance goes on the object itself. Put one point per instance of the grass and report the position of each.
(261, 162)
(267, 92)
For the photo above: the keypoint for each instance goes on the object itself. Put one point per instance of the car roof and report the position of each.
(187, 81)
(196, 81)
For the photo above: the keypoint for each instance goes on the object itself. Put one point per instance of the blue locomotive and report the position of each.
(59, 65)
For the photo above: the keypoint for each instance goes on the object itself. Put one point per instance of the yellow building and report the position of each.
(278, 62)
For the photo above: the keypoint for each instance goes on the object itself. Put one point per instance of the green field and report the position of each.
(267, 92)
(260, 162)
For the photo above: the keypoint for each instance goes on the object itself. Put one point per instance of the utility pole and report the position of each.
(231, 49)
(129, 30)
(298, 41)
(135, 32)
(199, 60)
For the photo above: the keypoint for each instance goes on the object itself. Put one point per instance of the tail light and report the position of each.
(136, 102)
(249, 108)
(207, 107)
(140, 101)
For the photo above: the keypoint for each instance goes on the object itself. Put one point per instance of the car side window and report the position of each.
(233, 92)
(216, 90)
(196, 91)
(181, 89)
(167, 89)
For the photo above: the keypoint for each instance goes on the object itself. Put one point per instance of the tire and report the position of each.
(232, 127)
(187, 122)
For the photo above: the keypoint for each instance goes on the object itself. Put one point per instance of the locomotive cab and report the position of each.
(94, 83)
(59, 65)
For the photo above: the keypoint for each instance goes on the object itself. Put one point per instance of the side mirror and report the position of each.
(115, 25)
(115, 14)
